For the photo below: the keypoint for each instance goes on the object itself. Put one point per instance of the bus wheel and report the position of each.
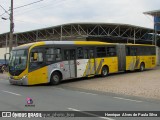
(55, 78)
(104, 71)
(142, 67)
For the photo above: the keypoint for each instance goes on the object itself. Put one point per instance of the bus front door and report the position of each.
(37, 69)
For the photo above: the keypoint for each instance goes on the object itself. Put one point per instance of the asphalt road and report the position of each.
(58, 98)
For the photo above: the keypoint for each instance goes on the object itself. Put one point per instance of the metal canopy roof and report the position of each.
(107, 32)
(153, 13)
(86, 24)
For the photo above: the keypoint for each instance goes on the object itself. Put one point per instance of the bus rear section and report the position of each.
(124, 57)
(136, 57)
(140, 57)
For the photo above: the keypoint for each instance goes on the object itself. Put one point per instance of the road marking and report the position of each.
(3, 80)
(106, 118)
(87, 93)
(58, 88)
(127, 99)
(11, 93)
(77, 91)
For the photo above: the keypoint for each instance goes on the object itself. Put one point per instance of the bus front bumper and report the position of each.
(22, 81)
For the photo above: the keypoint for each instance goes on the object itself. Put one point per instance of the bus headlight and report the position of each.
(25, 76)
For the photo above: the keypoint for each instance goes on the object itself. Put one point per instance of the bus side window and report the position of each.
(111, 51)
(86, 56)
(80, 53)
(127, 51)
(53, 54)
(58, 54)
(133, 51)
(153, 51)
(66, 55)
(101, 52)
(50, 55)
(91, 53)
(36, 57)
(72, 55)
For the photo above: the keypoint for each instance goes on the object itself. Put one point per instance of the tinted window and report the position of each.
(133, 51)
(39, 57)
(66, 54)
(69, 54)
(72, 55)
(86, 55)
(91, 53)
(111, 51)
(128, 51)
(140, 50)
(36, 58)
(53, 54)
(101, 52)
(79, 53)
(58, 54)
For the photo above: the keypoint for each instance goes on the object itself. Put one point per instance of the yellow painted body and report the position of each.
(94, 66)
(90, 68)
(111, 62)
(38, 76)
(133, 62)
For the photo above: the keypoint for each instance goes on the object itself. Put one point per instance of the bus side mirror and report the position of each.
(35, 56)
(5, 57)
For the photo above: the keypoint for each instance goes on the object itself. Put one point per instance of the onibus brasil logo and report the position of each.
(29, 102)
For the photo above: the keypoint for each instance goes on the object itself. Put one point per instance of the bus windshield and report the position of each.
(18, 60)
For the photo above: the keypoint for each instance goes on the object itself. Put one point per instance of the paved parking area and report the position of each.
(142, 84)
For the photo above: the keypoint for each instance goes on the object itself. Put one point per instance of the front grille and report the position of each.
(15, 72)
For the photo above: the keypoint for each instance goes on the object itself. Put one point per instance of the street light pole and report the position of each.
(11, 27)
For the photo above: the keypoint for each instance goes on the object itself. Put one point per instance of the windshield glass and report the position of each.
(18, 60)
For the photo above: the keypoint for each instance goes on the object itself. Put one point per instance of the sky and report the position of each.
(49, 13)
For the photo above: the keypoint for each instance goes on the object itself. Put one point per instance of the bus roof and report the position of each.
(139, 44)
(25, 46)
(62, 43)
(75, 42)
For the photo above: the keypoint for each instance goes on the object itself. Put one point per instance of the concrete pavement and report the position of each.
(56, 98)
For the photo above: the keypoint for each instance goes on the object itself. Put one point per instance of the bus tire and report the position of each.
(142, 67)
(104, 71)
(55, 78)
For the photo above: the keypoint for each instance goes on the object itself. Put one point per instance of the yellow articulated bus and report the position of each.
(54, 61)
